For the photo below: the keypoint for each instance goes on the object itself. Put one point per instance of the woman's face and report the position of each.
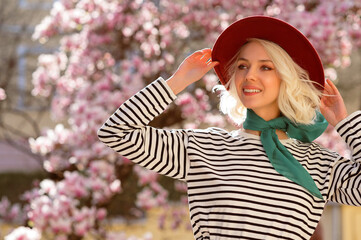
(257, 81)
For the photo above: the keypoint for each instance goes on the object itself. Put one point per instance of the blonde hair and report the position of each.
(298, 99)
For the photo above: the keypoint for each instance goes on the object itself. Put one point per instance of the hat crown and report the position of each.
(272, 29)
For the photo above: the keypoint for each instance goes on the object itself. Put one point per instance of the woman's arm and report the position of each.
(191, 70)
(345, 174)
(127, 131)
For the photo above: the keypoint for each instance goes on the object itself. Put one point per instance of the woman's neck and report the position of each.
(267, 114)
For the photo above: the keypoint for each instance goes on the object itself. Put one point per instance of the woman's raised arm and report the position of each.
(127, 131)
(193, 68)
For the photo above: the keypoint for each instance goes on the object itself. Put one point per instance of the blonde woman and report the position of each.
(267, 180)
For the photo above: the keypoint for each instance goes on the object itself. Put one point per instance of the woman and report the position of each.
(267, 180)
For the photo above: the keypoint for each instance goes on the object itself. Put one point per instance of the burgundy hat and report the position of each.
(271, 29)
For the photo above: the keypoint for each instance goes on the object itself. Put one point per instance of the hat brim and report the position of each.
(271, 29)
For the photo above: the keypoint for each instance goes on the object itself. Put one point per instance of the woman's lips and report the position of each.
(251, 91)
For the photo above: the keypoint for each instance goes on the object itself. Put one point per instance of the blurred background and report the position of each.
(66, 65)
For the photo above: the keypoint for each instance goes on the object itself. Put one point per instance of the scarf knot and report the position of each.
(281, 159)
(277, 123)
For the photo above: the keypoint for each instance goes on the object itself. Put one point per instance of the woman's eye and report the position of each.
(242, 66)
(266, 68)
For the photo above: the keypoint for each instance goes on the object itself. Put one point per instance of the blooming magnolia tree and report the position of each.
(110, 49)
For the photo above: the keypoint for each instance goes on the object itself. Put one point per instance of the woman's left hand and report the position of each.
(332, 106)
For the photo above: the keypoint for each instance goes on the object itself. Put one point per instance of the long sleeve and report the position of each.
(126, 132)
(345, 179)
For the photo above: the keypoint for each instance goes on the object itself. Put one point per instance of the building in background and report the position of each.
(21, 114)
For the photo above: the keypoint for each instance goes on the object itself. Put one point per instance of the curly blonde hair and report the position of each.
(298, 99)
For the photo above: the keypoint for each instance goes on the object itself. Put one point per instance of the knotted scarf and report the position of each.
(281, 159)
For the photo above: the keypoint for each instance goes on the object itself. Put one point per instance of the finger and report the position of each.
(212, 64)
(206, 55)
(328, 86)
(326, 93)
(209, 61)
(199, 52)
(206, 50)
(333, 87)
(327, 96)
(328, 90)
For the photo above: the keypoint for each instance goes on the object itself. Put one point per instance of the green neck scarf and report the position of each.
(281, 159)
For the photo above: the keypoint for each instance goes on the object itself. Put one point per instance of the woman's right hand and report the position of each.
(193, 68)
(332, 105)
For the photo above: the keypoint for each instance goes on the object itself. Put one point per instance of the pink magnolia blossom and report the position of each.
(60, 225)
(24, 233)
(55, 163)
(101, 214)
(181, 186)
(195, 107)
(74, 185)
(84, 220)
(145, 176)
(48, 187)
(56, 208)
(122, 236)
(331, 139)
(2, 94)
(146, 199)
(11, 212)
(41, 145)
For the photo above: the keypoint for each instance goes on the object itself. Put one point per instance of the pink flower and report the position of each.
(331, 74)
(180, 186)
(61, 225)
(2, 94)
(101, 214)
(74, 185)
(115, 186)
(55, 163)
(48, 187)
(81, 228)
(331, 139)
(41, 145)
(24, 233)
(145, 176)
(11, 213)
(145, 199)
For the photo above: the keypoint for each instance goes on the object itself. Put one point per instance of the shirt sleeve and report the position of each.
(345, 179)
(126, 132)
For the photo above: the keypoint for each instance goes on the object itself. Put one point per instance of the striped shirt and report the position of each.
(233, 190)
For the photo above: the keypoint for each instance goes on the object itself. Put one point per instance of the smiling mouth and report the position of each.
(251, 90)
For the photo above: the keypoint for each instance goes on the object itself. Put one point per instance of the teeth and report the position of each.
(251, 90)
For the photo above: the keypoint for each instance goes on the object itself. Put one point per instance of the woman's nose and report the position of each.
(251, 74)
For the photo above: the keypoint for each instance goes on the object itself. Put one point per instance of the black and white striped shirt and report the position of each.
(233, 190)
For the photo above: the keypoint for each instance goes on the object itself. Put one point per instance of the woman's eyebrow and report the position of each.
(262, 60)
